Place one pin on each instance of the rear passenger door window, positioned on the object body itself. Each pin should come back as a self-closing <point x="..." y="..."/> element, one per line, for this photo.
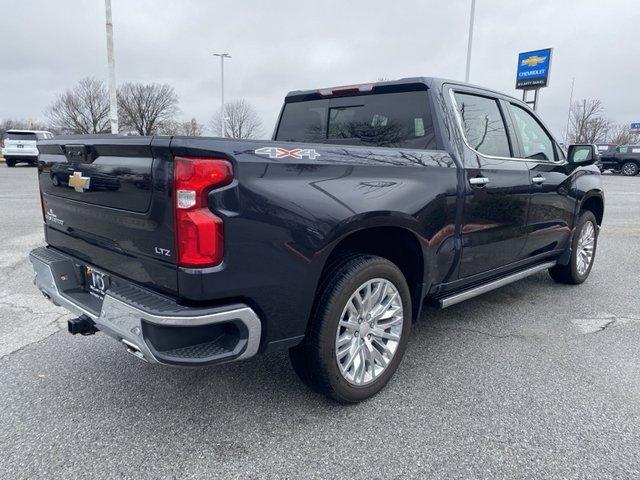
<point x="483" y="124"/>
<point x="537" y="144"/>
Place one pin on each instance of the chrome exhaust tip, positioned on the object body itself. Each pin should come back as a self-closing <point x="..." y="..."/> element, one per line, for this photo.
<point x="133" y="349"/>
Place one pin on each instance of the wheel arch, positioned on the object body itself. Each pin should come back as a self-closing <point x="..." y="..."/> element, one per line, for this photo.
<point x="397" y="243"/>
<point x="594" y="202"/>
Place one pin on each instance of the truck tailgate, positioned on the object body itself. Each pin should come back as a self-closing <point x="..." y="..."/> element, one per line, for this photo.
<point x="106" y="200"/>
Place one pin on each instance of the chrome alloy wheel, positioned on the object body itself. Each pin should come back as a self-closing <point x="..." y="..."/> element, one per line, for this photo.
<point x="586" y="247"/>
<point x="369" y="331"/>
<point x="629" y="169"/>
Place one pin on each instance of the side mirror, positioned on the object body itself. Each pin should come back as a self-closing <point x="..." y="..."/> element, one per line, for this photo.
<point x="583" y="154"/>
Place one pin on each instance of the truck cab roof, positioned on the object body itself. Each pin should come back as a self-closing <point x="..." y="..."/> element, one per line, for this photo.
<point x="402" y="84"/>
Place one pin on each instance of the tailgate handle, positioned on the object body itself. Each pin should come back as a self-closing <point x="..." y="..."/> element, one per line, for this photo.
<point x="76" y="153"/>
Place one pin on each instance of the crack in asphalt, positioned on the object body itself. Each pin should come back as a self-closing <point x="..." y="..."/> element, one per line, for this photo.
<point x="54" y="322"/>
<point x="606" y="325"/>
<point x="481" y="332"/>
<point x="20" y="304"/>
<point x="26" y="308"/>
<point x="602" y="322"/>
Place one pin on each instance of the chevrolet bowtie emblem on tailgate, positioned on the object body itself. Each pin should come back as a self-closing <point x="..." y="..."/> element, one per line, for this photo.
<point x="78" y="182"/>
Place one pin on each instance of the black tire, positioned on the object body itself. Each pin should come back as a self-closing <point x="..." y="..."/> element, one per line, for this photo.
<point x="569" y="273"/>
<point x="629" y="169"/>
<point x="315" y="359"/>
<point x="10" y="162"/>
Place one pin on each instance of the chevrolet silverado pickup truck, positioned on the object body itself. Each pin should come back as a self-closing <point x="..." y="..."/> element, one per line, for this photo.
<point x="369" y="201"/>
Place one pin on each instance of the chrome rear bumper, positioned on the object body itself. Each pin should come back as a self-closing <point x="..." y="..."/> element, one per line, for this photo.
<point x="152" y="327"/>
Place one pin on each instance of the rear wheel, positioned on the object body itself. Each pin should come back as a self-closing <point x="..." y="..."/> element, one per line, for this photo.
<point x="10" y="162"/>
<point x="359" y="330"/>
<point x="629" y="169"/>
<point x="583" y="252"/>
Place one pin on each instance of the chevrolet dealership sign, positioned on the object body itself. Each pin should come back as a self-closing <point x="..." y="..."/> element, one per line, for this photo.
<point x="533" y="69"/>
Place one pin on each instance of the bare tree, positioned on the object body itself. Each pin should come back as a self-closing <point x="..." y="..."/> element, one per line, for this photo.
<point x="587" y="123"/>
<point x="620" y="134"/>
<point x="240" y="120"/>
<point x="191" y="128"/>
<point x="81" y="109"/>
<point x="29" y="124"/>
<point x="146" y="108"/>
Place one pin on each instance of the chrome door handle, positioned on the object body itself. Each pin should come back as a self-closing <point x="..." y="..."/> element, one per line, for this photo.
<point x="538" y="179"/>
<point x="478" y="181"/>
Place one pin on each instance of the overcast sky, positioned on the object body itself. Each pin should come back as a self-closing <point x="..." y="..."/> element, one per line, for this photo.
<point x="278" y="46"/>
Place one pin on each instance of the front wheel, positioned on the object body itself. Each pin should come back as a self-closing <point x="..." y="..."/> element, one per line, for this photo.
<point x="359" y="330"/>
<point x="629" y="169"/>
<point x="583" y="252"/>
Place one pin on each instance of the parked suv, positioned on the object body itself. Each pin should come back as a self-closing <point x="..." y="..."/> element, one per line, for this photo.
<point x="623" y="159"/>
<point x="325" y="240"/>
<point x="21" y="146"/>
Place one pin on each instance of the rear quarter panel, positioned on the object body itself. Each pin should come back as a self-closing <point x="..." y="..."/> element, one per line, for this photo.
<point x="283" y="217"/>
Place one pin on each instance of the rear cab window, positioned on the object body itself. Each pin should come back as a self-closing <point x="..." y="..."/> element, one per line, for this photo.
<point x="483" y="125"/>
<point x="399" y="119"/>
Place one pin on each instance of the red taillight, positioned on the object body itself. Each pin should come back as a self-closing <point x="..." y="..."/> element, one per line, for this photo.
<point x="199" y="233"/>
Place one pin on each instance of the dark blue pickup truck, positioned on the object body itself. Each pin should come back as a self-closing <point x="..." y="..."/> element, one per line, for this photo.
<point x="326" y="240"/>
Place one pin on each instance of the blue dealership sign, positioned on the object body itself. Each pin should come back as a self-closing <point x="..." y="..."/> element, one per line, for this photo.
<point x="533" y="69"/>
<point x="635" y="127"/>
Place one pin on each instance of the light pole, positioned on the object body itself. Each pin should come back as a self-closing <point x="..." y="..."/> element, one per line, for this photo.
<point x="222" y="57"/>
<point x="113" y="98"/>
<point x="566" y="132"/>
<point x="469" y="45"/>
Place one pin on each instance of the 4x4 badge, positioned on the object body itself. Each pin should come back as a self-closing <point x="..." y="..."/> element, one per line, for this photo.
<point x="78" y="182"/>
<point x="279" y="152"/>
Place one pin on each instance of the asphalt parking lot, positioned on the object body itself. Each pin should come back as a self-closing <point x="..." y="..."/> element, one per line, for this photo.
<point x="535" y="380"/>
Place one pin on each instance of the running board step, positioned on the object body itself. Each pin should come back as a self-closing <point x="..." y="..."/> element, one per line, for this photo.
<point x="487" y="287"/>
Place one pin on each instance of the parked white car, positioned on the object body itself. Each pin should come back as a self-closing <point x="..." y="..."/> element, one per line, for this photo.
<point x="21" y="145"/>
